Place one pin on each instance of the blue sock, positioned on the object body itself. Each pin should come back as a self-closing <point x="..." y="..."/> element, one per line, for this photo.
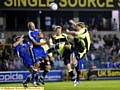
<point x="34" y="74"/>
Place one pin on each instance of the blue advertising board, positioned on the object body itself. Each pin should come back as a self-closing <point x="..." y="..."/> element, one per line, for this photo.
<point x="19" y="76"/>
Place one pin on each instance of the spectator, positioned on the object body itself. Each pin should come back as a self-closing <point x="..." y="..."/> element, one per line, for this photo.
<point x="56" y="64"/>
<point x="94" y="38"/>
<point x="66" y="26"/>
<point x="114" y="25"/>
<point x="93" y="55"/>
<point x="110" y="64"/>
<point x="118" y="63"/>
<point x="53" y="25"/>
<point x="100" y="26"/>
<point x="109" y="41"/>
<point x="107" y="49"/>
<point x="95" y="29"/>
<point x="91" y="74"/>
<point x="108" y="56"/>
<point x="105" y="38"/>
<point x="61" y="24"/>
<point x="115" y="39"/>
<point x="96" y="45"/>
<point x="103" y="58"/>
<point x="101" y="42"/>
<point x="93" y="66"/>
<point x="114" y="51"/>
<point x="17" y="63"/>
<point x="61" y="64"/>
<point x="5" y="65"/>
<point x="5" y="54"/>
<point x="11" y="66"/>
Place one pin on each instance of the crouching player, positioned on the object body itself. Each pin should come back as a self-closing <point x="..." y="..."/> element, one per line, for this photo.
<point x="22" y="50"/>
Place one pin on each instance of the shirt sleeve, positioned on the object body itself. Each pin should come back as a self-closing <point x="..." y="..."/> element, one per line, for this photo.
<point x="31" y="36"/>
<point x="17" y="50"/>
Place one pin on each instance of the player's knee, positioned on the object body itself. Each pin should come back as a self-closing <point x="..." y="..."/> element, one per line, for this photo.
<point x="47" y="59"/>
<point x="37" y="65"/>
<point x="75" y="62"/>
<point x="68" y="66"/>
<point x="70" y="37"/>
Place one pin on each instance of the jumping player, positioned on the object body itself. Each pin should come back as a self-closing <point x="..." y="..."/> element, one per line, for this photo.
<point x="82" y="45"/>
<point x="36" y="50"/>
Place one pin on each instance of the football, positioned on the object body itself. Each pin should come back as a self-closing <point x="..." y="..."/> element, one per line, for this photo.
<point x="54" y="6"/>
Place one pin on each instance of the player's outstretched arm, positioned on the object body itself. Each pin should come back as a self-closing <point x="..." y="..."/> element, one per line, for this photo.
<point x="17" y="42"/>
<point x="71" y="32"/>
<point x="39" y="43"/>
<point x="72" y="22"/>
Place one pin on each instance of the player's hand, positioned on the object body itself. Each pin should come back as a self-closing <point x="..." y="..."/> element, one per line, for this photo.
<point x="71" y="21"/>
<point x="21" y="38"/>
<point x="67" y="30"/>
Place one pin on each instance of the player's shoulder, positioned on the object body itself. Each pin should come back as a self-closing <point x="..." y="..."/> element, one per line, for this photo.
<point x="42" y="40"/>
<point x="64" y="34"/>
<point x="36" y="30"/>
<point x="54" y="35"/>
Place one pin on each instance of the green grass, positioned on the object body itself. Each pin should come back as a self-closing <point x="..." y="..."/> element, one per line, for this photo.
<point x="85" y="85"/>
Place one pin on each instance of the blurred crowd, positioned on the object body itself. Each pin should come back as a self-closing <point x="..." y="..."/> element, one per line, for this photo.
<point x="104" y="53"/>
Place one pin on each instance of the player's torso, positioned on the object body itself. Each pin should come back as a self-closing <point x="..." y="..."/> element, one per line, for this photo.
<point x="61" y="44"/>
<point x="45" y="46"/>
<point x="24" y="51"/>
<point x="36" y="36"/>
<point x="84" y="37"/>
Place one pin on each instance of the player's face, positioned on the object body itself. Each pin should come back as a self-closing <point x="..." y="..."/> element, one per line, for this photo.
<point x="32" y="26"/>
<point x="78" y="28"/>
<point x="41" y="34"/>
<point x="58" y="31"/>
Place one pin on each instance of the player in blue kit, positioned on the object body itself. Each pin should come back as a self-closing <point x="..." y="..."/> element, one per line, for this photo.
<point x="22" y="50"/>
<point x="37" y="51"/>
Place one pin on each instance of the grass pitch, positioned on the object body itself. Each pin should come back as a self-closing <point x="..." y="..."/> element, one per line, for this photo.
<point x="85" y="85"/>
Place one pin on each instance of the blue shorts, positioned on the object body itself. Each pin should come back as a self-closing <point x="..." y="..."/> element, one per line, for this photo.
<point x="37" y="53"/>
<point x="80" y="64"/>
<point x="28" y="62"/>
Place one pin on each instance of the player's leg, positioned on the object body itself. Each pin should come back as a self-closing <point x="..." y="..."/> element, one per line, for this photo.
<point x="70" y="38"/>
<point x="66" y="59"/>
<point x="80" y="68"/>
<point x="74" y="62"/>
<point x="28" y="79"/>
<point x="46" y="71"/>
<point x="29" y="65"/>
<point x="47" y="67"/>
<point x="35" y="58"/>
